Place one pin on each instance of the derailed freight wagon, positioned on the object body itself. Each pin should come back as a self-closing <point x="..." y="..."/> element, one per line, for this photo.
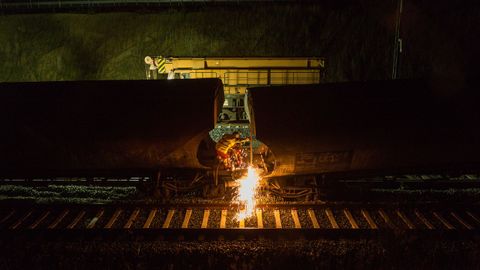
<point x="365" y="128"/>
<point x="101" y="128"/>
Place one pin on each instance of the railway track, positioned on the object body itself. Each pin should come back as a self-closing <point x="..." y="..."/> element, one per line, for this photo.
<point x="440" y="182"/>
<point x="214" y="221"/>
<point x="77" y="181"/>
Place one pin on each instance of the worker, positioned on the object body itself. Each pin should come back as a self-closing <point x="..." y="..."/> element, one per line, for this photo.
<point x="226" y="145"/>
<point x="152" y="69"/>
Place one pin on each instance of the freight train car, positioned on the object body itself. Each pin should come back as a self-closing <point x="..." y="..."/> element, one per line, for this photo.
<point x="102" y="128"/>
<point x="365" y="128"/>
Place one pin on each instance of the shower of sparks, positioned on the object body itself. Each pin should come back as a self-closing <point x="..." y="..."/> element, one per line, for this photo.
<point x="246" y="193"/>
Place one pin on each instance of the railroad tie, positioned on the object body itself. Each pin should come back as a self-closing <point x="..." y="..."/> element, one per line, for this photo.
<point x="166" y="224"/>
<point x="259" y="218"/>
<point x="39" y="220"/>
<point x="278" y="221"/>
<point x="331" y="218"/>
<point x="313" y="218"/>
<point x="76" y="220"/>
<point x="114" y="218"/>
<point x="132" y="219"/>
<point x="206" y="214"/>
<point x="186" y="220"/>
<point x="296" y="220"/>
<point x="21" y="220"/>
<point x="424" y="220"/>
<point x="223" y="219"/>
<point x="369" y="219"/>
<point x="58" y="219"/>
<point x="461" y="221"/>
<point x="95" y="219"/>
<point x="474" y="217"/>
<point x="387" y="219"/>
<point x="7" y="217"/>
<point x="443" y="221"/>
<point x="405" y="220"/>
<point x="150" y="218"/>
<point x="350" y="218"/>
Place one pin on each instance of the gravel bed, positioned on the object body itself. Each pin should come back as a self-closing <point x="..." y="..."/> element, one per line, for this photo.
<point x="268" y="219"/>
<point x="378" y="219"/>
<point x="122" y="219"/>
<point x="251" y="222"/>
<point x="469" y="219"/>
<point x="304" y="218"/>
<point x="29" y="220"/>
<point x="322" y="219"/>
<point x="434" y="220"/>
<point x="86" y="219"/>
<point x="287" y="219"/>
<point x="341" y="219"/>
<point x="419" y="221"/>
<point x="4" y="212"/>
<point x="178" y="217"/>
<point x="103" y="220"/>
<point x="12" y="219"/>
<point x="410" y="214"/>
<point x="196" y="218"/>
<point x="67" y="194"/>
<point x="450" y="219"/>
<point x="141" y="219"/>
<point x="49" y="219"/>
<point x="107" y="215"/>
<point x="395" y="219"/>
<point x="36" y="213"/>
<point x="231" y="222"/>
<point x="214" y="220"/>
<point x="72" y="214"/>
<point x="463" y="215"/>
<point x="159" y="219"/>
<point x="359" y="218"/>
<point x="395" y="253"/>
<point x="477" y="215"/>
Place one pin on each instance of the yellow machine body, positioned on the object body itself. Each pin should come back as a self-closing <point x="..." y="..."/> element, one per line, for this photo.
<point x="238" y="73"/>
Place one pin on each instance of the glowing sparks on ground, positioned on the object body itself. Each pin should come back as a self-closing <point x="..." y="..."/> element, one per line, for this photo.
<point x="247" y="192"/>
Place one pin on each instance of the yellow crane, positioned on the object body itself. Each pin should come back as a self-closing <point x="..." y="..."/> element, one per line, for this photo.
<point x="237" y="74"/>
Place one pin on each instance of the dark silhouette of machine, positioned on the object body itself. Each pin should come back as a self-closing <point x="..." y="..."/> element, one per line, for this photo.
<point x="302" y="133"/>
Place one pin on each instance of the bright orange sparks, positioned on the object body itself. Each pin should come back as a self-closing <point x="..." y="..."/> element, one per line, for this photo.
<point x="247" y="192"/>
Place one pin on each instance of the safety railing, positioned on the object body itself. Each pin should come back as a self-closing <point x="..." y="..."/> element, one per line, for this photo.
<point x="266" y="77"/>
<point x="200" y="75"/>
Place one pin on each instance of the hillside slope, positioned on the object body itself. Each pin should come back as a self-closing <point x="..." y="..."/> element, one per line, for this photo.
<point x="356" y="39"/>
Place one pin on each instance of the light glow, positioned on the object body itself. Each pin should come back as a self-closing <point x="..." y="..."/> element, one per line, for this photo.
<point x="247" y="191"/>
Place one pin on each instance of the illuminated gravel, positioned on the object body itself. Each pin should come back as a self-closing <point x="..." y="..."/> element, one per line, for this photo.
<point x="396" y="253"/>
<point x="341" y="219"/>
<point x="304" y="218"/>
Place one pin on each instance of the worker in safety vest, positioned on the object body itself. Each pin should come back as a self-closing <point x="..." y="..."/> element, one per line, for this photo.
<point x="153" y="67"/>
<point x="225" y="146"/>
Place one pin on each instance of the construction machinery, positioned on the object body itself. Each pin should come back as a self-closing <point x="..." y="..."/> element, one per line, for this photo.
<point x="237" y="74"/>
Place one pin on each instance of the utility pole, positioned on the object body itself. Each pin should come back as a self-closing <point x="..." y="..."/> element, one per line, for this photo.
<point x="398" y="45"/>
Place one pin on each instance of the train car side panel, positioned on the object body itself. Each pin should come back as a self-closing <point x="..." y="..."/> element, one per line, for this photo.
<point x="105" y="125"/>
<point x="366" y="126"/>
